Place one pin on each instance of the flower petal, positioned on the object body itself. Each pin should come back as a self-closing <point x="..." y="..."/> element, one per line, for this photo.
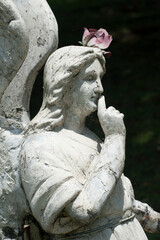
<point x="86" y="32"/>
<point x="106" y="42"/>
<point x="92" y="42"/>
<point x="106" y="54"/>
<point x="93" y="30"/>
<point x="101" y="31"/>
<point x="87" y="36"/>
<point x="100" y="39"/>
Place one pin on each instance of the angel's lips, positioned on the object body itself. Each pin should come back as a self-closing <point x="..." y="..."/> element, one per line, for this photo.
<point x="95" y="99"/>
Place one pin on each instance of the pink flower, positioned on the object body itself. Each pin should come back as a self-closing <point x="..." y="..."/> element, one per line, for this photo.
<point x="96" y="38"/>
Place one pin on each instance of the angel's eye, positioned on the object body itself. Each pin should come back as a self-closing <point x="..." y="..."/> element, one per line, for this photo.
<point x="90" y="78"/>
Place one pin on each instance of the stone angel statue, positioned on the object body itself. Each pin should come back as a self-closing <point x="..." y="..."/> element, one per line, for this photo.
<point x="53" y="169"/>
<point x="74" y="182"/>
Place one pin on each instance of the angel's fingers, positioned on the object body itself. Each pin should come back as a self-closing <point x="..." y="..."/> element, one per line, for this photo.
<point x="101" y="105"/>
<point x="122" y="115"/>
<point x="118" y="114"/>
<point x="111" y="109"/>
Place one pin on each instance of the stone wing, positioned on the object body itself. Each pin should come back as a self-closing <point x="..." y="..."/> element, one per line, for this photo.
<point x="13" y="42"/>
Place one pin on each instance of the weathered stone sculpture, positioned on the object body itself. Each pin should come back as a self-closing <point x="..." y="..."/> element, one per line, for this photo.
<point x="28" y="35"/>
<point x="53" y="169"/>
<point x="73" y="182"/>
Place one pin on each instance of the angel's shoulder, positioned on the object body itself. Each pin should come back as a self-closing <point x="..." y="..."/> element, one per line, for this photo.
<point x="42" y="142"/>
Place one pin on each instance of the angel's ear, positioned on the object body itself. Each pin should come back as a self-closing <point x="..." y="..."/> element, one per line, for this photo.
<point x="13" y="42"/>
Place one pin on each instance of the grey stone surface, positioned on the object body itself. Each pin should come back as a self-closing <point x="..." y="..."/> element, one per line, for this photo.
<point x="28" y="35"/>
<point x="37" y="29"/>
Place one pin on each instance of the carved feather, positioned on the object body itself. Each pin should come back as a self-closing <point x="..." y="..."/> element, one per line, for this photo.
<point x="42" y="31"/>
<point x="13" y="42"/>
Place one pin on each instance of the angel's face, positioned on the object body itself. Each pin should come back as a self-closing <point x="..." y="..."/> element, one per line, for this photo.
<point x="87" y="88"/>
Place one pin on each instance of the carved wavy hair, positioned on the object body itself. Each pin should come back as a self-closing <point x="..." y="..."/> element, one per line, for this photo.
<point x="60" y="73"/>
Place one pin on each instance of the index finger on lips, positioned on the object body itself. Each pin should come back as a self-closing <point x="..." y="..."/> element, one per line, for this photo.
<point x="101" y="105"/>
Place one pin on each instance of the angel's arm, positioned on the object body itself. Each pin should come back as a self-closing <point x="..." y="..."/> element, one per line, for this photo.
<point x="149" y="219"/>
<point x="106" y="169"/>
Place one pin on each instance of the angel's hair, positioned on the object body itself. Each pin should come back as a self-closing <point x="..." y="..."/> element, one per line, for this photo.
<point x="60" y="72"/>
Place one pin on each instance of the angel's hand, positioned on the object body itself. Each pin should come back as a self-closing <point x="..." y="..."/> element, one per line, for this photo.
<point x="111" y="120"/>
<point x="149" y="219"/>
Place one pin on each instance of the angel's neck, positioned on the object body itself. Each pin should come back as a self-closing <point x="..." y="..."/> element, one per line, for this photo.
<point x="75" y="122"/>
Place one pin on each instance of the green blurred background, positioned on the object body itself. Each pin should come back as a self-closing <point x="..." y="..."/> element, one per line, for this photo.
<point x="132" y="81"/>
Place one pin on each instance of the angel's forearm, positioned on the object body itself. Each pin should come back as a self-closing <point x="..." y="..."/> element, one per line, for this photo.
<point x="103" y="176"/>
<point x="149" y="219"/>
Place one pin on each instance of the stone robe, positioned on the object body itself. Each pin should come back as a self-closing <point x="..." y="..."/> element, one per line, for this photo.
<point x="54" y="168"/>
